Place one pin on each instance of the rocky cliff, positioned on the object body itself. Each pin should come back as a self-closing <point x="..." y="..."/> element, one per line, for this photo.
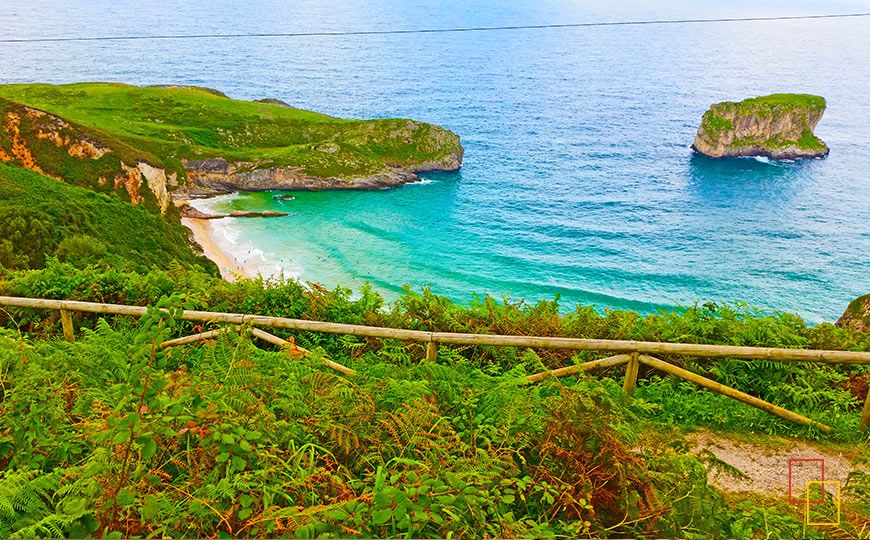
<point x="779" y="126"/>
<point x="47" y="144"/>
<point x="857" y="315"/>
<point x="219" y="174"/>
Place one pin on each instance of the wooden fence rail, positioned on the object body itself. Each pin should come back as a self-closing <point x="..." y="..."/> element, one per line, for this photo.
<point x="633" y="353"/>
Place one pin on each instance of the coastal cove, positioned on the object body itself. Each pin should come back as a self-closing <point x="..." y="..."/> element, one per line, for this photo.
<point x="379" y="269"/>
<point x="578" y="179"/>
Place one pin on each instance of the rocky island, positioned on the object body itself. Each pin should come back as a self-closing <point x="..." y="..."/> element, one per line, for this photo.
<point x="778" y="126"/>
<point x="150" y="145"/>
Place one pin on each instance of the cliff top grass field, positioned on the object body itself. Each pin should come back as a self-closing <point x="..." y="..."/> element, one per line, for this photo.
<point x="167" y="124"/>
<point x="807" y="101"/>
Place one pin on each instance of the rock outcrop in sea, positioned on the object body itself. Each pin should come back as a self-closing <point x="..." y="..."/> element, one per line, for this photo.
<point x="857" y="315"/>
<point x="187" y="211"/>
<point x="778" y="126"/>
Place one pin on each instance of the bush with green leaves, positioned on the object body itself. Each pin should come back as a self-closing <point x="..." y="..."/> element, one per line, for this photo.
<point x="41" y="217"/>
<point x="115" y="436"/>
<point x="831" y="394"/>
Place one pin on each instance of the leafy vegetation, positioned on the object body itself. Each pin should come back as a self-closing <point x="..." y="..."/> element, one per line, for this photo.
<point x="113" y="436"/>
<point x="715" y="125"/>
<point x="831" y="394"/>
<point x="41" y="216"/>
<point x="809" y="141"/>
<point x="167" y="125"/>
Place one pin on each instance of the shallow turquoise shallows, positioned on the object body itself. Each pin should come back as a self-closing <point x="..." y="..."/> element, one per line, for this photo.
<point x="578" y="179"/>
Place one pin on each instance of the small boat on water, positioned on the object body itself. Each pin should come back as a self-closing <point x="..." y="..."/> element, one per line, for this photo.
<point x="284" y="197"/>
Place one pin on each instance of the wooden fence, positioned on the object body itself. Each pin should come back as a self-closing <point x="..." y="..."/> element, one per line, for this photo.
<point x="631" y="353"/>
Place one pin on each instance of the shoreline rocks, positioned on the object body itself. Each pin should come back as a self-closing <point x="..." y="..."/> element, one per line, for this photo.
<point x="221" y="176"/>
<point x="778" y="126"/>
<point x="187" y="211"/>
<point x="267" y="213"/>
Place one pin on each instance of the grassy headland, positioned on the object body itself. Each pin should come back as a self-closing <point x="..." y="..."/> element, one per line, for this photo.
<point x="172" y="125"/>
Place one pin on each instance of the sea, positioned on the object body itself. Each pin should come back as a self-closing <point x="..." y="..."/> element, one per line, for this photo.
<point x="578" y="180"/>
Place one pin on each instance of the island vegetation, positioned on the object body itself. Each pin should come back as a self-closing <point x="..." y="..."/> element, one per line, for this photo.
<point x="113" y="436"/>
<point x="778" y="126"/>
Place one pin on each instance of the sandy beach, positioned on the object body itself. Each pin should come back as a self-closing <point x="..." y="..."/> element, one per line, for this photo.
<point x="231" y="270"/>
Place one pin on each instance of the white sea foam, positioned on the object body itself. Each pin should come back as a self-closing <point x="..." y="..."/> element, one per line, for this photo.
<point x="254" y="260"/>
<point x="224" y="230"/>
<point x="214" y="205"/>
<point x="271" y="266"/>
<point x="228" y="235"/>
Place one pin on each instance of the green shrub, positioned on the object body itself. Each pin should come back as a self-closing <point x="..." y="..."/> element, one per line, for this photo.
<point x="112" y="436"/>
<point x="80" y="250"/>
<point x="41" y="216"/>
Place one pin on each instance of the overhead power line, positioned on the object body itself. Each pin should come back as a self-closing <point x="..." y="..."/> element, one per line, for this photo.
<point x="430" y="30"/>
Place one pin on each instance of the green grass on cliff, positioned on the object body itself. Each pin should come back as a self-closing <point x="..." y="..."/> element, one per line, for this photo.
<point x="770" y="104"/>
<point x="56" y="161"/>
<point x="717" y="119"/>
<point x="808" y="141"/>
<point x="195" y="123"/>
<point x="808" y="101"/>
<point x="856" y="309"/>
<point x="714" y="125"/>
<point x="42" y="217"/>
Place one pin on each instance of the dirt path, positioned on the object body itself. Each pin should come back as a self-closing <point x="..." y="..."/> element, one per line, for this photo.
<point x="766" y="467"/>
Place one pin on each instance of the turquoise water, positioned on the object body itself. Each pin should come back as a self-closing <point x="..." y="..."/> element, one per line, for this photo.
<point x="578" y="179"/>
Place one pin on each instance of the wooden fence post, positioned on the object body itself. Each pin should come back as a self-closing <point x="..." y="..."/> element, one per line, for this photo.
<point x="865" y="416"/>
<point x="731" y="392"/>
<point x="67" y="323"/>
<point x="431" y="351"/>
<point x="631" y="370"/>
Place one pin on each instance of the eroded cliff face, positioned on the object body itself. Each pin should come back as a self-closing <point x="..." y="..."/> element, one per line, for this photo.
<point x="857" y="315"/>
<point x="219" y="174"/>
<point x="49" y="145"/>
<point x="780" y="126"/>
